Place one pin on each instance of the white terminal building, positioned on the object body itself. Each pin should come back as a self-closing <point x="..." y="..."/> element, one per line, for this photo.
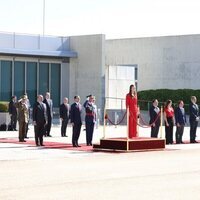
<point x="90" y="64"/>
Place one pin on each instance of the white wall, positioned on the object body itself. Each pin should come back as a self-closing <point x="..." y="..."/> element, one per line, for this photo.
<point x="171" y="62"/>
<point x="87" y="71"/>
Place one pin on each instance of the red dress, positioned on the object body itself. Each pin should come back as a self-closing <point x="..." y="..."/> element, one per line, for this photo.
<point x="131" y="102"/>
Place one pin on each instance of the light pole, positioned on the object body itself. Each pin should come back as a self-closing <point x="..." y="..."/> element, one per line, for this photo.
<point x="43" y="17"/>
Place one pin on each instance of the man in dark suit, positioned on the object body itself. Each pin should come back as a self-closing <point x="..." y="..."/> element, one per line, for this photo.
<point x="194" y="118"/>
<point x="64" y="116"/>
<point x="13" y="113"/>
<point x="90" y="118"/>
<point x="75" y="115"/>
<point x="49" y="106"/>
<point x="180" y="118"/>
<point x="39" y="119"/>
<point x="154" y="113"/>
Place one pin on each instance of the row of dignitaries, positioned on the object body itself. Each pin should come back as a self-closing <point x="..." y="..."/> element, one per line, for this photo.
<point x="73" y="113"/>
<point x="173" y="117"/>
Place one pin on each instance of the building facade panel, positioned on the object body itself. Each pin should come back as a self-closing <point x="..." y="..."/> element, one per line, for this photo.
<point x="87" y="71"/>
<point x="163" y="62"/>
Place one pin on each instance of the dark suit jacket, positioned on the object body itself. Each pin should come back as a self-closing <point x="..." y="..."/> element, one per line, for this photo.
<point x="153" y="116"/>
<point x="64" y="111"/>
<point x="12" y="108"/>
<point x="179" y="116"/>
<point x="49" y="108"/>
<point x="39" y="113"/>
<point x="194" y="112"/>
<point x="75" y="114"/>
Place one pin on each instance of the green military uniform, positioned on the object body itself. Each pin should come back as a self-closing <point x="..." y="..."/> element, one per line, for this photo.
<point x="23" y="117"/>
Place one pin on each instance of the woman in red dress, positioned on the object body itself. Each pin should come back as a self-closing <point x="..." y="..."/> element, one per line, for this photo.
<point x="131" y="103"/>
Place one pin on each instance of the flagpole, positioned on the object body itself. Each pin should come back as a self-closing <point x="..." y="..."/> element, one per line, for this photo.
<point x="43" y="17"/>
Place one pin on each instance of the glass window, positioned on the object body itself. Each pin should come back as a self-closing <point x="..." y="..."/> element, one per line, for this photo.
<point x="55" y="84"/>
<point x="31" y="82"/>
<point x="112" y="72"/>
<point x="6" y="80"/>
<point x="19" y="78"/>
<point x="43" y="78"/>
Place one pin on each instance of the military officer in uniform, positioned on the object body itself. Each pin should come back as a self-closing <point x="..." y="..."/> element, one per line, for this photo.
<point x="23" y="117"/>
<point x="90" y="118"/>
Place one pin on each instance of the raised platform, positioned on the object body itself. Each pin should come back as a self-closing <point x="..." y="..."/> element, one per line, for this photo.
<point x="134" y="144"/>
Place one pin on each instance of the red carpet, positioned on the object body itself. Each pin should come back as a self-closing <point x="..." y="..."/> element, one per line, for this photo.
<point x="68" y="146"/>
<point x="49" y="145"/>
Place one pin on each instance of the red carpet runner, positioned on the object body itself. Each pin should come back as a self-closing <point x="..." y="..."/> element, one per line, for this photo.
<point x="48" y="145"/>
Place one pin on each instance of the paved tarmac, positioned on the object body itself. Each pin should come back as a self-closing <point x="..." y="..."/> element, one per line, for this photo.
<point x="30" y="173"/>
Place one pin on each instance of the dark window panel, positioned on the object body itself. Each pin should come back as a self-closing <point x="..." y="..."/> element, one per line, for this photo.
<point x="31" y="82"/>
<point x="55" y="84"/>
<point x="6" y="80"/>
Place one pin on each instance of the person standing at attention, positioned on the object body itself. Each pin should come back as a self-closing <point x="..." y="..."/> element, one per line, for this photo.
<point x="154" y="113"/>
<point x="39" y="120"/>
<point x="29" y="110"/>
<point x="49" y="105"/>
<point x="131" y="103"/>
<point x="64" y="116"/>
<point x="90" y="118"/>
<point x="13" y="113"/>
<point x="169" y="122"/>
<point x="75" y="116"/>
<point x="180" y="118"/>
<point x="23" y="117"/>
<point x="194" y="119"/>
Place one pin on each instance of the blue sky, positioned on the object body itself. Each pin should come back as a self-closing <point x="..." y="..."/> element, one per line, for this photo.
<point x="115" y="18"/>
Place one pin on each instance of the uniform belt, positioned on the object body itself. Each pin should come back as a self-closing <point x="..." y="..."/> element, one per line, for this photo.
<point x="89" y="114"/>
